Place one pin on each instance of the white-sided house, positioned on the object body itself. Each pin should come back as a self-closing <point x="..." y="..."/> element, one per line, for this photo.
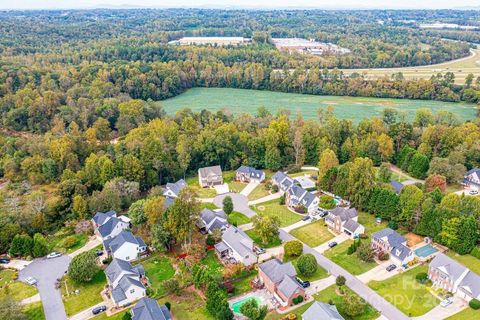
<point x="390" y="241"/>
<point x="125" y="282"/>
<point x="211" y="220"/>
<point x="173" y="189"/>
<point x="297" y="196"/>
<point x="472" y="179"/>
<point x="248" y="174"/>
<point x="283" y="181"/>
<point x="125" y="246"/>
<point x="210" y="176"/>
<point x="236" y="245"/>
<point x="108" y="225"/>
<point x="340" y="217"/>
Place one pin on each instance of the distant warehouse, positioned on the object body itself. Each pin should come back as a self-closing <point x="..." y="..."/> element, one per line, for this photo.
<point x="307" y="46"/>
<point x="219" y="41"/>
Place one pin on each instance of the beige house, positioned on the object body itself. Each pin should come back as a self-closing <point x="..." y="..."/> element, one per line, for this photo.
<point x="210" y="176"/>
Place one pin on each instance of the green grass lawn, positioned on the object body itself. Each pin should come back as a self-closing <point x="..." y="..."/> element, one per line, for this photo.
<point x="400" y="177"/>
<point x="259" y="192"/>
<point x="236" y="186"/>
<point x="208" y="205"/>
<point x="467" y="260"/>
<point x="34" y="311"/>
<point x="313" y="234"/>
<point x="273" y="208"/>
<point x="237" y="218"/>
<point x="89" y="293"/>
<point x="319" y="274"/>
<point x="304" y="172"/>
<point x="369" y="222"/>
<point x="158" y="269"/>
<point x="16" y="289"/>
<point x="403" y="291"/>
<point x="117" y="316"/>
<point x="467" y="314"/>
<point x="55" y="242"/>
<point x="212" y="262"/>
<point x="351" y="263"/>
<point x="243" y="285"/>
<point x="192" y="182"/>
<point x="273" y="315"/>
<point x="188" y="305"/>
<point x="256" y="238"/>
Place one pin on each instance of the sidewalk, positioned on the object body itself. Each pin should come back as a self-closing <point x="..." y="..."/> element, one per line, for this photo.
<point x="265" y="199"/>
<point x="31" y="299"/>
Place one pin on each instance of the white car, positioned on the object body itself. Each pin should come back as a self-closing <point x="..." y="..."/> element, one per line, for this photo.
<point x="473" y="192"/>
<point x="31" y="281"/>
<point x="446" y="302"/>
<point x="53" y="255"/>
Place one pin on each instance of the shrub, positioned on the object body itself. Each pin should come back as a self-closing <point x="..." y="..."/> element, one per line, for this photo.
<point x="282" y="199"/>
<point x="365" y="252"/>
<point x="300" y="208"/>
<point x="127" y="316"/>
<point x="307" y="264"/>
<point x="69" y="242"/>
<point x="383" y="256"/>
<point x="474" y="304"/>
<point x="172" y="286"/>
<point x="290" y="316"/>
<point x="297" y="300"/>
<point x="392" y="224"/>
<point x="421" y="277"/>
<point x="351" y="250"/>
<point x="83" y="267"/>
<point x="227" y="205"/>
<point x="340" y="281"/>
<point x="476" y="252"/>
<point x="274" y="188"/>
<point x="326" y="202"/>
<point x="293" y="248"/>
<point x="210" y="240"/>
<point x="168" y="305"/>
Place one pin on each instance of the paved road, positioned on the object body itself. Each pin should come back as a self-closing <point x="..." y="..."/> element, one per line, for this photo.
<point x="240" y="203"/>
<point x="379" y="303"/>
<point x="47" y="271"/>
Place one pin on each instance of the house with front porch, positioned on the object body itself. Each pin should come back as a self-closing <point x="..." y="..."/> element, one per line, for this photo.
<point x="248" y="174"/>
<point x="210" y="176"/>
<point x="391" y="242"/>
<point x="280" y="280"/>
<point x="344" y="220"/>
<point x="125" y="283"/>
<point x="236" y="247"/>
<point x="472" y="179"/>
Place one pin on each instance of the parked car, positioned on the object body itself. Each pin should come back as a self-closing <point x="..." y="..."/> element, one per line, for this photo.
<point x="31" y="281"/>
<point x="306" y="218"/>
<point x="391" y="267"/>
<point x="304" y="284"/>
<point x="99" y="253"/>
<point x="473" y="192"/>
<point x="99" y="309"/>
<point x="332" y="244"/>
<point x="4" y="260"/>
<point x="446" y="302"/>
<point x="259" y="250"/>
<point x="53" y="254"/>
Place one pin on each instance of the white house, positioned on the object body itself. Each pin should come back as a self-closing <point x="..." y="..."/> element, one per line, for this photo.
<point x="125" y="282"/>
<point x="297" y="196"/>
<point x="211" y="220"/>
<point x="108" y="225"/>
<point x="391" y="242"/>
<point x="283" y="181"/>
<point x="173" y="189"/>
<point x="247" y="174"/>
<point x="472" y="179"/>
<point x="125" y="246"/>
<point x="236" y="245"/>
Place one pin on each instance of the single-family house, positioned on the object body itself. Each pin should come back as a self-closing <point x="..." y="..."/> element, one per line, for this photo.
<point x="108" y="225"/>
<point x="344" y="220"/>
<point x="283" y="181"/>
<point x="296" y="196"/>
<point x="472" y="179"/>
<point x="125" y="282"/>
<point x="397" y="186"/>
<point x="391" y="242"/>
<point x="125" y="246"/>
<point x="236" y="247"/>
<point x="173" y="189"/>
<point x="280" y="280"/>
<point x="211" y="220"/>
<point x="210" y="176"/>
<point x="469" y="288"/>
<point x="322" y="311"/>
<point x="149" y="309"/>
<point x="247" y="174"/>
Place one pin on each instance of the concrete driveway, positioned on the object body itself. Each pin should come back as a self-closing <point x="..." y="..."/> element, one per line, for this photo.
<point x="440" y="312"/>
<point x="17" y="264"/>
<point x="342" y="237"/>
<point x="379" y="273"/>
<point x="240" y="203"/>
<point x="47" y="271"/>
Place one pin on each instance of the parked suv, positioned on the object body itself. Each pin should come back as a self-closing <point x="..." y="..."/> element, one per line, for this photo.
<point x="391" y="267"/>
<point x="99" y="309"/>
<point x="304" y="284"/>
<point x="332" y="244"/>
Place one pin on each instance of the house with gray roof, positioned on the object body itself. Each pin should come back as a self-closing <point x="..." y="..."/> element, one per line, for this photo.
<point x="125" y="246"/>
<point x="390" y="241"/>
<point x="322" y="311"/>
<point x="125" y="282"/>
<point x="247" y="174"/>
<point x="108" y="225"/>
<point x="149" y="309"/>
<point x="236" y="247"/>
<point x="210" y="176"/>
<point x="472" y="179"/>
<point x="283" y="181"/>
<point x="173" y="189"/>
<point x="397" y="186"/>
<point x="296" y="197"/>
<point x="340" y="217"/>
<point x="280" y="280"/>
<point x="212" y="219"/>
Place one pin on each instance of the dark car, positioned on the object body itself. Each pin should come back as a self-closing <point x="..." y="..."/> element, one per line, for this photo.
<point x="304" y="284"/>
<point x="4" y="260"/>
<point x="332" y="244"/>
<point x="306" y="218"/>
<point x="99" y="253"/>
<point x="99" y="309"/>
<point x="391" y="267"/>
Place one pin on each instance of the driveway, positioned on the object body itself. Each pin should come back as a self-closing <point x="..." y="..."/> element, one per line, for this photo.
<point x="342" y="237"/>
<point x="296" y="225"/>
<point x="270" y="197"/>
<point x="92" y="243"/>
<point x="17" y="264"/>
<point x="319" y="285"/>
<point x="87" y="313"/>
<point x="47" y="271"/>
<point x="440" y="312"/>
<point x="249" y="188"/>
<point x="379" y="273"/>
<point x="373" y="298"/>
<point x="240" y="203"/>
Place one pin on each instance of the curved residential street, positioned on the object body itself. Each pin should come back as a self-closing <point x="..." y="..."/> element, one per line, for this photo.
<point x="240" y="203"/>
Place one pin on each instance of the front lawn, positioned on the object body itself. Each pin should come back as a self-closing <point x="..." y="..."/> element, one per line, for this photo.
<point x="14" y="288"/>
<point x="351" y="262"/>
<point x="319" y="274"/>
<point x="275" y="242"/>
<point x="467" y="260"/>
<point x="56" y="242"/>
<point x="273" y="208"/>
<point x="211" y="260"/>
<point x="88" y="295"/>
<point x="187" y="305"/>
<point x="408" y="295"/>
<point x="467" y="314"/>
<point x="34" y="311"/>
<point x="236" y="186"/>
<point x="313" y="234"/>
<point x="273" y="315"/>
<point x="158" y="269"/>
<point x="260" y="191"/>
<point x="192" y="182"/>
<point x="237" y="218"/>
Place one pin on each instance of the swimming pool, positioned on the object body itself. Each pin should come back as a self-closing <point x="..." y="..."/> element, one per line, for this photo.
<point x="237" y="304"/>
<point x="425" y="251"/>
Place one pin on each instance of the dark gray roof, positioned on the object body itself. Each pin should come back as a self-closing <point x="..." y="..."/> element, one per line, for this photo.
<point x="101" y="217"/>
<point x="168" y="202"/>
<point x="474" y="170"/>
<point x="126" y="282"/>
<point x="148" y="309"/>
<point x="321" y="311"/>
<point x="278" y="177"/>
<point x="400" y="252"/>
<point x="448" y="266"/>
<point x="289" y="286"/>
<point x="344" y="214"/>
<point x="296" y="191"/>
<point x="117" y="266"/>
<point x="107" y="228"/>
<point x="221" y="246"/>
<point x="276" y="270"/>
<point x="239" y="241"/>
<point x="177" y="186"/>
<point x="210" y="171"/>
<point x="351" y="225"/>
<point x="393" y="237"/>
<point x="252" y="172"/>
<point x="397" y="186"/>
<point x="307" y="199"/>
<point x="213" y="219"/>
<point x="118" y="295"/>
<point x="123" y="237"/>
<point x="471" y="284"/>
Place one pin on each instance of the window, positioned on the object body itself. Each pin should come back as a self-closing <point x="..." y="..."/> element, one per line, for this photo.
<point x="132" y="291"/>
<point x="127" y="258"/>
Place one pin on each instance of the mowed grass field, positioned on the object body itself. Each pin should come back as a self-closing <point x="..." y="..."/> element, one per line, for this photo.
<point x="353" y="108"/>
<point x="460" y="67"/>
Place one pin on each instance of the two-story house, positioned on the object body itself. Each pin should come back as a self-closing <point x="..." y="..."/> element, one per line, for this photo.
<point x="108" y="225"/>
<point x="296" y="196"/>
<point x="149" y="309"/>
<point x="212" y="219"/>
<point x="210" y="176"/>
<point x="344" y="220"/>
<point x="280" y="280"/>
<point x="173" y="189"/>
<point x="125" y="282"/>
<point x="237" y="247"/>
<point x="125" y="246"/>
<point x="472" y="179"/>
<point x="322" y="311"/>
<point x="283" y="181"/>
<point x="391" y="242"/>
<point x="248" y="174"/>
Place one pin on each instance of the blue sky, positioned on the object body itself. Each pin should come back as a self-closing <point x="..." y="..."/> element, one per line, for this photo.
<point x="49" y="4"/>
